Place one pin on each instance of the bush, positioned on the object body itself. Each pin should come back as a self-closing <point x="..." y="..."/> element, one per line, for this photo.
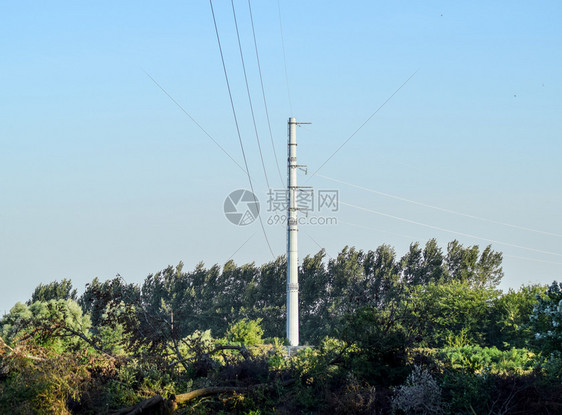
<point x="41" y="382"/>
<point x="376" y="347"/>
<point x="54" y="324"/>
<point x="477" y="359"/>
<point x="546" y="320"/>
<point x="419" y="395"/>
<point x="466" y="393"/>
<point x="245" y="331"/>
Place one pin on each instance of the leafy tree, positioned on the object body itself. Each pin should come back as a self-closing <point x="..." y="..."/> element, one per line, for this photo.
<point x="382" y="278"/>
<point x="345" y="275"/>
<point x="444" y="313"/>
<point x="469" y="266"/>
<point x="58" y="324"/>
<point x="315" y="298"/>
<point x="375" y="345"/>
<point x="99" y="295"/>
<point x="546" y="320"/>
<point x="422" y="267"/>
<point x="510" y="317"/>
<point x="376" y="307"/>
<point x="53" y="291"/>
<point x="247" y="332"/>
<point x="357" y="279"/>
<point x="264" y="297"/>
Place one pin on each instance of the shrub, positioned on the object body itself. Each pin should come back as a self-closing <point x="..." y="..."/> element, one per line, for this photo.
<point x="466" y="393"/>
<point x="41" y="382"/>
<point x="419" y="395"/>
<point x="245" y="331"/>
<point x="546" y="320"/>
<point x="477" y="359"/>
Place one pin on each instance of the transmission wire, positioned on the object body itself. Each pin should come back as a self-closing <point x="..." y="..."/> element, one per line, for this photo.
<point x="411" y="238"/>
<point x="362" y="125"/>
<point x="284" y="58"/>
<point x="241" y="246"/>
<point x="468" y="235"/>
<point x="193" y="119"/>
<point x="237" y="127"/>
<point x="453" y="212"/>
<point x="263" y="93"/>
<point x="249" y="95"/>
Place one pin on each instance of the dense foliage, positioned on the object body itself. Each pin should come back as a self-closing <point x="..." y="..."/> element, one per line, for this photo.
<point x="428" y="333"/>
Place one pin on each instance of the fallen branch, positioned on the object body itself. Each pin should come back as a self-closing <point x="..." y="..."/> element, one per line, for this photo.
<point x="168" y="406"/>
<point x="156" y="404"/>
<point x="4" y="345"/>
<point x="211" y="390"/>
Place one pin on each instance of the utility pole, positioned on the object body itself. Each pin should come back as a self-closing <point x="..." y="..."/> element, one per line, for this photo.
<point x="292" y="238"/>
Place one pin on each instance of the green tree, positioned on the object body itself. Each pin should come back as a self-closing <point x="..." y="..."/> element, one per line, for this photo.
<point x="422" y="267"/>
<point x="245" y="331"/>
<point x="99" y="296"/>
<point x="53" y="291"/>
<point x="315" y="298"/>
<point x="381" y="283"/>
<point x="264" y="297"/>
<point x="546" y="320"/>
<point x="450" y="312"/>
<point x="510" y="317"/>
<point x="375" y="345"/>
<point x="59" y="324"/>
<point x="467" y="265"/>
<point x="345" y="275"/>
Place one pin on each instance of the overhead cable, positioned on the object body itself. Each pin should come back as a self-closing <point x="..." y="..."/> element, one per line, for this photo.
<point x="362" y="125"/>
<point x="192" y="119"/>
<point x="237" y="127"/>
<point x="284" y="58"/>
<point x="450" y="231"/>
<point x="263" y="94"/>
<point x="453" y="212"/>
<point x="411" y="238"/>
<point x="248" y="91"/>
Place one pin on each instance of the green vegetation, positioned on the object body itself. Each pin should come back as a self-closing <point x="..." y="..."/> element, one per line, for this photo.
<point x="428" y="333"/>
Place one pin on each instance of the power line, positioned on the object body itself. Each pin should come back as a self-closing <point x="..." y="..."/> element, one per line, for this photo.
<point x="411" y="238"/>
<point x="192" y="119"/>
<point x="237" y="127"/>
<point x="284" y="58"/>
<point x="263" y="93"/>
<point x="453" y="212"/>
<point x="450" y="231"/>
<point x="531" y="259"/>
<point x="362" y="125"/>
<point x="248" y="91"/>
<point x="319" y="246"/>
<point x="241" y="246"/>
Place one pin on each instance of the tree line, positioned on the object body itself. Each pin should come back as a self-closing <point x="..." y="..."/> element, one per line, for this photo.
<point x="380" y="326"/>
<point x="211" y="298"/>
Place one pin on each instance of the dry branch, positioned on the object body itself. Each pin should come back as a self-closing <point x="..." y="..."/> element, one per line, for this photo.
<point x="155" y="405"/>
<point x="158" y="405"/>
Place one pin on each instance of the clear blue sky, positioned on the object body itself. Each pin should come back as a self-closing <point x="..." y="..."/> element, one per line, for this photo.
<point x="101" y="173"/>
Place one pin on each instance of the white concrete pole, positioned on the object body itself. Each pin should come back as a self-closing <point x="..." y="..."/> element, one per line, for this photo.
<point x="292" y="239"/>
